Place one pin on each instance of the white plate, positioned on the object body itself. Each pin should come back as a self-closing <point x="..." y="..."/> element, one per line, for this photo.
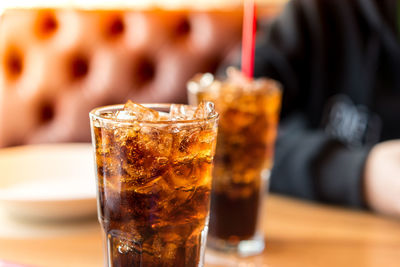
<point x="53" y="181"/>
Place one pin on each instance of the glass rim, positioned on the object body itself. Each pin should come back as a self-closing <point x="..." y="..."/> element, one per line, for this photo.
<point x="277" y="86"/>
<point x="96" y="113"/>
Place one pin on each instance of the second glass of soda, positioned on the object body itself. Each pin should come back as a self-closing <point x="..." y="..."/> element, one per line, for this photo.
<point x="249" y="114"/>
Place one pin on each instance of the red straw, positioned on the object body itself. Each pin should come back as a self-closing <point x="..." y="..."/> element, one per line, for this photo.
<point x="248" y="38"/>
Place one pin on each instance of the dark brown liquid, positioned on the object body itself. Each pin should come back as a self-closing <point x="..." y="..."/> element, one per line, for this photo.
<point x="246" y="136"/>
<point x="233" y="219"/>
<point x="170" y="244"/>
<point x="154" y="190"/>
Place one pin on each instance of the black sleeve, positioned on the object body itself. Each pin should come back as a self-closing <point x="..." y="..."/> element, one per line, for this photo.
<point x="308" y="163"/>
<point x="312" y="165"/>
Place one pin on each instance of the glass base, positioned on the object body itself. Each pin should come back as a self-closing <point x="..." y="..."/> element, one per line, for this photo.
<point x="243" y="248"/>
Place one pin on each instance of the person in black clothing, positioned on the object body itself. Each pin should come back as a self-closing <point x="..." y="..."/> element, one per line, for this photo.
<point x="339" y="64"/>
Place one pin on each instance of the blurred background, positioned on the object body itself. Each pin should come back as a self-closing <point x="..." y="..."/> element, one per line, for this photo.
<point x="60" y="59"/>
<point x="337" y="60"/>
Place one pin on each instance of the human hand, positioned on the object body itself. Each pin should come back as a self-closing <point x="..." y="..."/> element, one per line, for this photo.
<point x="382" y="178"/>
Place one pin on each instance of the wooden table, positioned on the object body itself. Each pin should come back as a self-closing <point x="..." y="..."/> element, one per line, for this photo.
<point x="297" y="234"/>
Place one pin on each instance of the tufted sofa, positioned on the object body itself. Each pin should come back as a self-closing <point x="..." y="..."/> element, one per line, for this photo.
<point x="57" y="64"/>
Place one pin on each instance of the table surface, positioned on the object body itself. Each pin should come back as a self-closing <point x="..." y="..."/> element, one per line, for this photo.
<point x="297" y="234"/>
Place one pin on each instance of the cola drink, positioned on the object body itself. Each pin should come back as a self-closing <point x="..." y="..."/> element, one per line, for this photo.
<point x="249" y="112"/>
<point x="154" y="171"/>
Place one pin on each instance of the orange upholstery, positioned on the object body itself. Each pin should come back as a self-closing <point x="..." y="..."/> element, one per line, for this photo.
<point x="58" y="64"/>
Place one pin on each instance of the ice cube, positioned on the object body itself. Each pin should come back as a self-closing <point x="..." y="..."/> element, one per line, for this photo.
<point x="140" y="112"/>
<point x="155" y="140"/>
<point x="201" y="81"/>
<point x="206" y="80"/>
<point x="204" y="110"/>
<point x="181" y="112"/>
<point x="235" y="76"/>
<point x="203" y="86"/>
<point x="126" y="242"/>
<point x="124" y="247"/>
<point x="124" y="115"/>
<point x="163" y="116"/>
<point x="169" y="251"/>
